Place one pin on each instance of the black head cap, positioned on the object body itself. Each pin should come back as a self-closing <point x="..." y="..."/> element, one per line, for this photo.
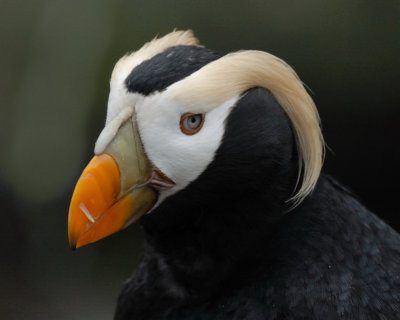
<point x="167" y="67"/>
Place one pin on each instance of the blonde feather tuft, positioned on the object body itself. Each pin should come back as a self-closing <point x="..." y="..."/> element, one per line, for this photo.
<point x="231" y="75"/>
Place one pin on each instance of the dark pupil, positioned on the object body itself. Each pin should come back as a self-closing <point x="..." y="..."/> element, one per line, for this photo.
<point x="193" y="122"/>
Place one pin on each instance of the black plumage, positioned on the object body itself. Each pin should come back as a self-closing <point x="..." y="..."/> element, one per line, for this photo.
<point x="167" y="67"/>
<point x="229" y="247"/>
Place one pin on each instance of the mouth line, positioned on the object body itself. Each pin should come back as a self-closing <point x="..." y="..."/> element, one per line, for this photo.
<point x="159" y="181"/>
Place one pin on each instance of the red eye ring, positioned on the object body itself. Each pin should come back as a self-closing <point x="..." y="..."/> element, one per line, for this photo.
<point x="191" y="123"/>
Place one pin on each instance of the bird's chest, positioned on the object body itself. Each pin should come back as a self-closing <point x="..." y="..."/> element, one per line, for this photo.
<point x="257" y="300"/>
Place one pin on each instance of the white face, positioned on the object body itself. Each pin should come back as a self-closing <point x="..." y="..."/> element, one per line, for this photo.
<point x="179" y="156"/>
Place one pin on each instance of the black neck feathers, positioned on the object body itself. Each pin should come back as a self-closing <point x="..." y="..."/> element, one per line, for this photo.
<point x="211" y="231"/>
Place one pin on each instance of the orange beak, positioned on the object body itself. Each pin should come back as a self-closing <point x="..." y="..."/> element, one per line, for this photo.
<point x="113" y="190"/>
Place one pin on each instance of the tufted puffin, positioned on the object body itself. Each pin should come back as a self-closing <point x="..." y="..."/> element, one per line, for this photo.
<point x="219" y="158"/>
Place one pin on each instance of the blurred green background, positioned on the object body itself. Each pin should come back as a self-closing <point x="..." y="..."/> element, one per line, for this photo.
<point x="55" y="61"/>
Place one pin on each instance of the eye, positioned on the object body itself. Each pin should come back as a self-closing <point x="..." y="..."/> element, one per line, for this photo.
<point x="191" y="123"/>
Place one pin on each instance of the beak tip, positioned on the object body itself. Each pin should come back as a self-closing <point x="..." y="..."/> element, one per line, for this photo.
<point x="72" y="246"/>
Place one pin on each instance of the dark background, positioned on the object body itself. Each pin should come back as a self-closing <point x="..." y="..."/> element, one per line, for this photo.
<point x="56" y="57"/>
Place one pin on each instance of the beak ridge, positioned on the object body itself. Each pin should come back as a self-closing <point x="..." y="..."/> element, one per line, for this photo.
<point x="113" y="190"/>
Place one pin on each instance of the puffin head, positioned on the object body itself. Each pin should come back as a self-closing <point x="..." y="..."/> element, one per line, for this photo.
<point x="188" y="129"/>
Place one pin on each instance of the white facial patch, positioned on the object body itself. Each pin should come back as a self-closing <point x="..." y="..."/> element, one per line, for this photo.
<point x="120" y="99"/>
<point x="180" y="157"/>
